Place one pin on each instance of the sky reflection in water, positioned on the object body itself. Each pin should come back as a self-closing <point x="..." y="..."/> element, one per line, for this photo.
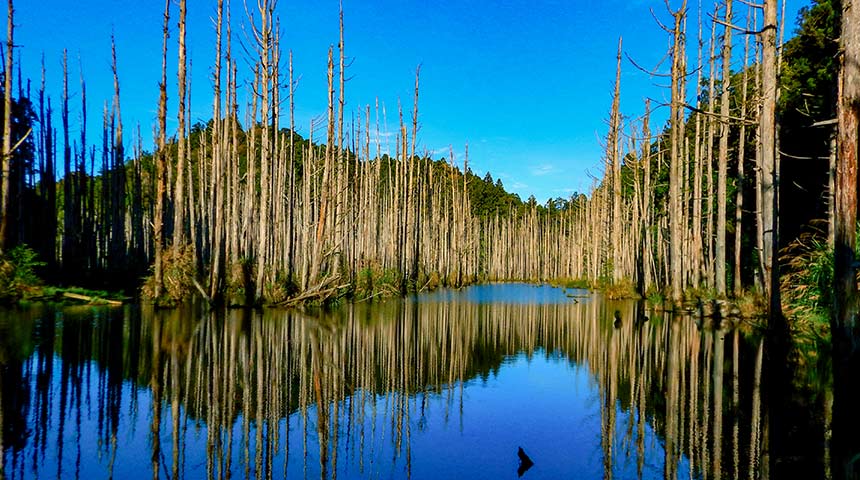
<point x="446" y="386"/>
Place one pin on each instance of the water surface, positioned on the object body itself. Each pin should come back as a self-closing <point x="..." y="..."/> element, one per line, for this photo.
<point x="442" y="385"/>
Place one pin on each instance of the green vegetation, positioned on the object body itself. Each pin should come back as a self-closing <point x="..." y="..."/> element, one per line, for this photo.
<point x="807" y="286"/>
<point x="179" y="277"/>
<point x="806" y="282"/>
<point x="581" y="283"/>
<point x="21" y="284"/>
<point x="18" y="279"/>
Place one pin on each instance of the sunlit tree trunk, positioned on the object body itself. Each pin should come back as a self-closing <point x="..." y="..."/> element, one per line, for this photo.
<point x="217" y="177"/>
<point x="264" y="37"/>
<point x="160" y="161"/>
<point x="291" y="235"/>
<point x="321" y="242"/>
<point x="340" y="167"/>
<point x="769" y="174"/>
<point x="179" y="190"/>
<point x="614" y="157"/>
<point x="676" y="120"/>
<point x="723" y="154"/>
<point x="739" y="183"/>
<point x="844" y="325"/>
<point x="5" y="193"/>
<point x="647" y="222"/>
<point x="416" y="211"/>
<point x="697" y="247"/>
<point x="848" y="117"/>
<point x="710" y="260"/>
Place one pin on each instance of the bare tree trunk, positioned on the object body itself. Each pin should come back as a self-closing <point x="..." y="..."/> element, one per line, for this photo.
<point x="848" y="117"/>
<point x="677" y="126"/>
<point x="739" y="185"/>
<point x="614" y="154"/>
<point x="760" y="271"/>
<point x="160" y="160"/>
<point x="47" y="176"/>
<point x="264" y="44"/>
<point x="86" y="232"/>
<point x="769" y="174"/>
<point x="710" y="259"/>
<point x="179" y="195"/>
<point x="291" y="238"/>
<point x="319" y="244"/>
<point x="233" y="119"/>
<point x="831" y="189"/>
<point x="7" y="132"/>
<point x="138" y="251"/>
<point x="844" y="324"/>
<point x="217" y="240"/>
<point x="697" y="243"/>
<point x="118" y="245"/>
<point x="69" y="235"/>
<point x="195" y="195"/>
<point x="416" y="219"/>
<point x="723" y="154"/>
<point x="646" y="198"/>
<point x="341" y="167"/>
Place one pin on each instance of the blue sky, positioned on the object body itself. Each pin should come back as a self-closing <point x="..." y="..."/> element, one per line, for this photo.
<point x="527" y="84"/>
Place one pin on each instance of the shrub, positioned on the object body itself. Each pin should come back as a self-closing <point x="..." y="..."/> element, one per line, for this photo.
<point x="18" y="273"/>
<point x="178" y="273"/>
<point x="807" y="277"/>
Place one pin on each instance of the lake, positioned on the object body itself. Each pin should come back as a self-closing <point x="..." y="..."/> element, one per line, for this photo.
<point x="449" y="384"/>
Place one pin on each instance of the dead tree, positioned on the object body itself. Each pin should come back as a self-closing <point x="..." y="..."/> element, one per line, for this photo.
<point x="179" y="191"/>
<point x="723" y="154"/>
<point x="160" y="160"/>
<point x="676" y="217"/>
<point x="769" y="174"/>
<point x="7" y="132"/>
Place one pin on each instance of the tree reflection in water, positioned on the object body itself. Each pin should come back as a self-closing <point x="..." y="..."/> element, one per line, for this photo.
<point x="377" y="390"/>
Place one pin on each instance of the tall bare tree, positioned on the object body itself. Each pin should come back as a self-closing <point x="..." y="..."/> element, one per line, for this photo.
<point x="218" y="167"/>
<point x="264" y="38"/>
<point x="161" y="160"/>
<point x="7" y="131"/>
<point x="613" y="148"/>
<point x="769" y="173"/>
<point x="739" y="184"/>
<point x="723" y="153"/>
<point x="179" y="192"/>
<point x="676" y="217"/>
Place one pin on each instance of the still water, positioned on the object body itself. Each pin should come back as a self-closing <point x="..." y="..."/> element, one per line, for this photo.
<point x="444" y="385"/>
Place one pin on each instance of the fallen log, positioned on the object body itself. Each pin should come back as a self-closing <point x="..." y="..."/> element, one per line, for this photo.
<point x="94" y="300"/>
<point x="311" y="295"/>
<point x="201" y="290"/>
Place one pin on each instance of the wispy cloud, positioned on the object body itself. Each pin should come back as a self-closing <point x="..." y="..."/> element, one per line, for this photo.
<point x="381" y="136"/>
<point x="543" y="169"/>
<point x="441" y="152"/>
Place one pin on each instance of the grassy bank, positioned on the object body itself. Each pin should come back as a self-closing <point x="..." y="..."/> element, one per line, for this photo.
<point x="20" y="284"/>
